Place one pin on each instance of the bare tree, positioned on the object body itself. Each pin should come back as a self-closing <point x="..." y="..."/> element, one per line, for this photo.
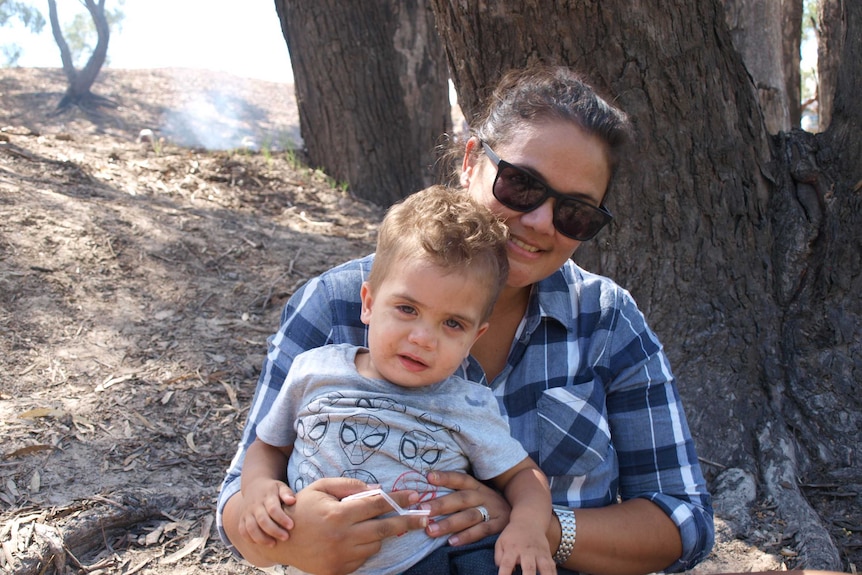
<point x="372" y="91"/>
<point x="81" y="81"/>
<point x="743" y="249"/>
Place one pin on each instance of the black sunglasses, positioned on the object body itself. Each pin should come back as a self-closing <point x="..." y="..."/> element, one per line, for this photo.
<point x="521" y="191"/>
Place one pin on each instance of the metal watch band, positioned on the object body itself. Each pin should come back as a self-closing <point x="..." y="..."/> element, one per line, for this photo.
<point x="568" y="532"/>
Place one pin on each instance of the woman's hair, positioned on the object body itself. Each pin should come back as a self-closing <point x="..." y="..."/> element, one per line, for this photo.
<point x="448" y="229"/>
<point x="544" y="93"/>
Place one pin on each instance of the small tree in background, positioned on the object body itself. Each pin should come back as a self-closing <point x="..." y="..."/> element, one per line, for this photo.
<point x="78" y="91"/>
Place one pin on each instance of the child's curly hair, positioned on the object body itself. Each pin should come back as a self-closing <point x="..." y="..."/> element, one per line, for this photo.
<point x="449" y="229"/>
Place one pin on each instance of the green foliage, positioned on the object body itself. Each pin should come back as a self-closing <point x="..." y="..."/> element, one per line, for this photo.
<point x="28" y="15"/>
<point x="292" y="159"/>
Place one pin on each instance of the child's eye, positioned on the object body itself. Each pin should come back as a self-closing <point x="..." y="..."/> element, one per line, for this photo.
<point x="408" y="309"/>
<point x="452" y="324"/>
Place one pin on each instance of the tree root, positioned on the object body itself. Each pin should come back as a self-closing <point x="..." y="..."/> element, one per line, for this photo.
<point x="83" y="527"/>
<point x="87" y="102"/>
<point x="778" y="462"/>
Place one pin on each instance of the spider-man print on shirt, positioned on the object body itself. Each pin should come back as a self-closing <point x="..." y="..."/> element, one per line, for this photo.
<point x="419" y="451"/>
<point x="375" y="435"/>
<point x="311" y="430"/>
<point x="362" y="436"/>
<point x="413" y="481"/>
<point x="308" y="474"/>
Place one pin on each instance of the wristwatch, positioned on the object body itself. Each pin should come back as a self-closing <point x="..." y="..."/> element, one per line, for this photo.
<point x="568" y="532"/>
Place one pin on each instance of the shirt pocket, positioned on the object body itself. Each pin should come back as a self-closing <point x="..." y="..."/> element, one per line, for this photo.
<point x="574" y="436"/>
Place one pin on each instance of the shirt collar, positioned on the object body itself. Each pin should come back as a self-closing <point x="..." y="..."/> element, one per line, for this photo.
<point x="552" y="298"/>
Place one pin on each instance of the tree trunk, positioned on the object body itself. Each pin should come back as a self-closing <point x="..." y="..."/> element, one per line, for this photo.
<point x="80" y="82"/>
<point x="768" y="36"/>
<point x="372" y="91"/>
<point x="676" y="222"/>
<point x="792" y="11"/>
<point x="830" y="44"/>
<point x="742" y="250"/>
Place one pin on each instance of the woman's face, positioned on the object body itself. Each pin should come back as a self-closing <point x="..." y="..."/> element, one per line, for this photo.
<point x="567" y="159"/>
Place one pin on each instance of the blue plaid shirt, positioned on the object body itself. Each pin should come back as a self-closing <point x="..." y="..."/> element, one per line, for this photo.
<point x="587" y="390"/>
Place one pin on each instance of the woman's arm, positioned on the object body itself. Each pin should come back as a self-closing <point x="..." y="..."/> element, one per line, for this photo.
<point x="630" y="538"/>
<point x="660" y="481"/>
<point x="462" y="523"/>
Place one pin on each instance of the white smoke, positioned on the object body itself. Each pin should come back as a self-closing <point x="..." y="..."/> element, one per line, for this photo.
<point x="215" y="112"/>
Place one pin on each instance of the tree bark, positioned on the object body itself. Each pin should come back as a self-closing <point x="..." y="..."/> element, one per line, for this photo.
<point x="372" y="91"/>
<point x="743" y="250"/>
<point x="830" y="44"/>
<point x="768" y="36"/>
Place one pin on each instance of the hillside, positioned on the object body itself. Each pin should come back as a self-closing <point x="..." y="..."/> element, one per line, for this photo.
<point x="138" y="283"/>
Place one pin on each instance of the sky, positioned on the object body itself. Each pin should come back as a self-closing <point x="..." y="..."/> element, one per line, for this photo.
<point x="239" y="37"/>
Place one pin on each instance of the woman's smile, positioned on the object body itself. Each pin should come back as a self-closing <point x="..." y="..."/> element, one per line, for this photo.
<point x="523" y="245"/>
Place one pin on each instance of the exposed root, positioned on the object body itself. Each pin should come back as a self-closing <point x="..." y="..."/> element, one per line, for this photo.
<point x="814" y="545"/>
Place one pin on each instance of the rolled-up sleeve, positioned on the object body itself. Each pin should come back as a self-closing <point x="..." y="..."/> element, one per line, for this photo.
<point x="696" y="529"/>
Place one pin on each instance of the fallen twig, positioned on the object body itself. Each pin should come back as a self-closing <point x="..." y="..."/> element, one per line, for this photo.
<point x="83" y="527"/>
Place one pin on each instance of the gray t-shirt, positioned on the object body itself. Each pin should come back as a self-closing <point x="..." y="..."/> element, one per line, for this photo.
<point x="342" y="424"/>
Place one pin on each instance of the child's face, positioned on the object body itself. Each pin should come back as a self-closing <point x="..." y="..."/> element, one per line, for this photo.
<point x="422" y="322"/>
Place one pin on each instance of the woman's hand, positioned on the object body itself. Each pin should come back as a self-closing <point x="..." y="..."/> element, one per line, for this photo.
<point x="329" y="536"/>
<point x="465" y="523"/>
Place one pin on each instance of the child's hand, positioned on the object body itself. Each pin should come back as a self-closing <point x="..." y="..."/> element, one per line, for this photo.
<point x="263" y="518"/>
<point x="526" y="546"/>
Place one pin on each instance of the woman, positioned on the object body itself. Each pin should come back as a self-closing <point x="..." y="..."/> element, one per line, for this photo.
<point x="583" y="381"/>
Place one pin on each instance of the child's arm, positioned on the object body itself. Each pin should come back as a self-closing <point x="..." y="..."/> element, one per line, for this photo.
<point x="523" y="542"/>
<point x="264" y="491"/>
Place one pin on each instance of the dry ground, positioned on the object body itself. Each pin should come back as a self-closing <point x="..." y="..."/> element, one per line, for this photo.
<point x="138" y="283"/>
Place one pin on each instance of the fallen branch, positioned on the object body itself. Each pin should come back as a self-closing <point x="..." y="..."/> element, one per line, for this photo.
<point x="82" y="527"/>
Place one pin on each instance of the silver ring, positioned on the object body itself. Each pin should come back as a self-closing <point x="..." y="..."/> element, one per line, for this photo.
<point x="484" y="512"/>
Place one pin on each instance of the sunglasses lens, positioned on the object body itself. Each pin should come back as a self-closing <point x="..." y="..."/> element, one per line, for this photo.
<point x="518" y="190"/>
<point x="578" y="220"/>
